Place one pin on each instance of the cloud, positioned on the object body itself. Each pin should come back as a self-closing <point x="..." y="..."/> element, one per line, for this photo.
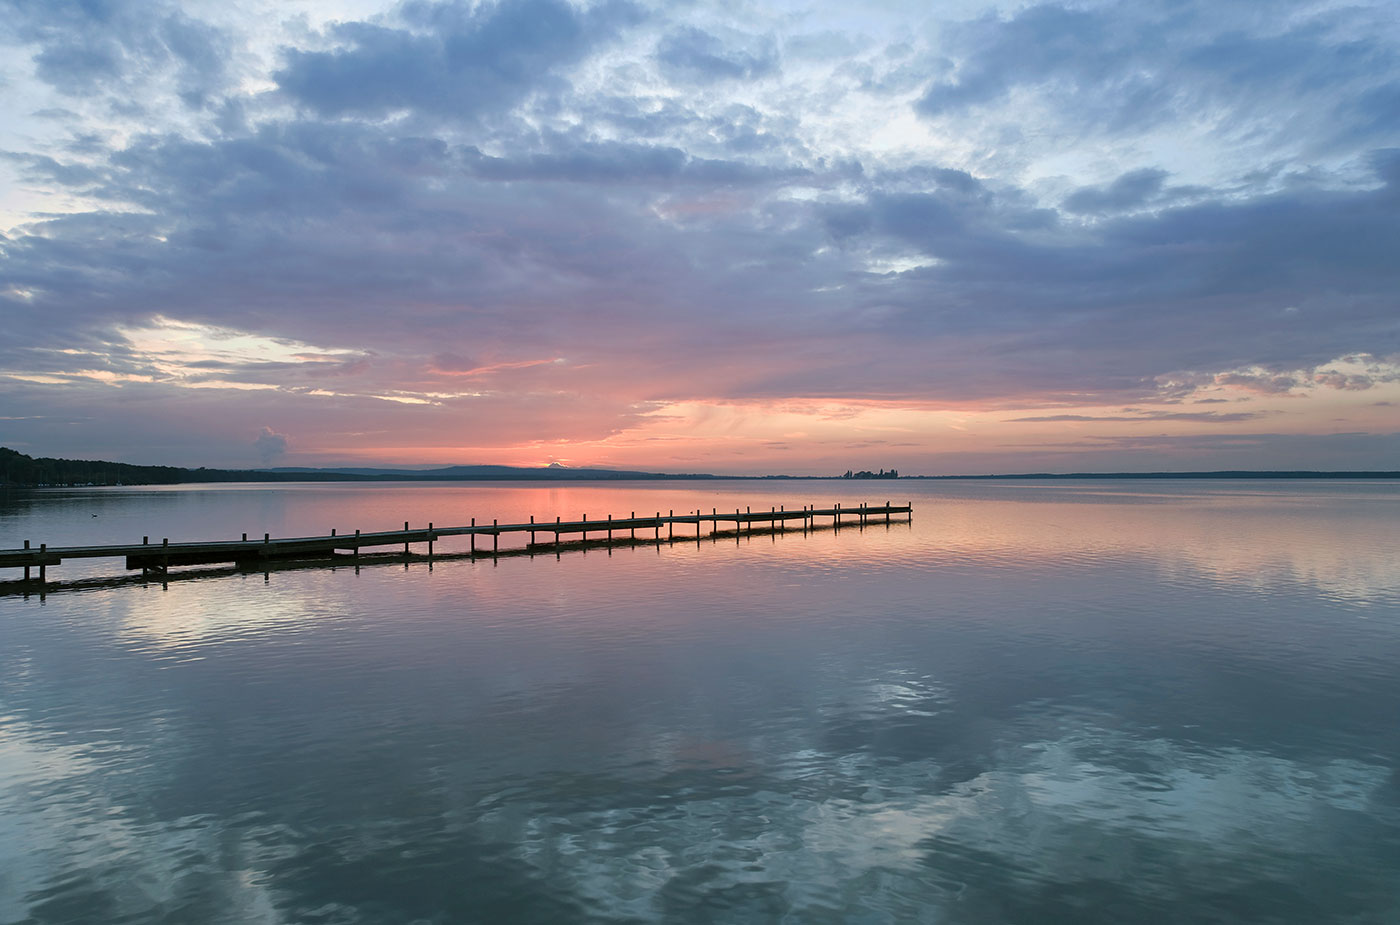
<point x="1263" y="384"/>
<point x="448" y="59"/>
<point x="1353" y="383"/>
<point x="1205" y="417"/>
<point x="270" y="445"/>
<point x="1129" y="191"/>
<point x="114" y="46"/>
<point x="691" y="55"/>
<point x="1123" y="67"/>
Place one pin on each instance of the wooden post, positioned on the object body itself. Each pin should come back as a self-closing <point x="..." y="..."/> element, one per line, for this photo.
<point x="634" y="525"/>
<point x="495" y="538"/>
<point x="585" y="529"/>
<point x="556" y="536"/>
<point x="430" y="539"/>
<point x="532" y="532"/>
<point x="887" y="511"/>
<point x="671" y="525"/>
<point x="473" y="535"/>
<point x="405" y="539"/>
<point x="610" y="529"/>
<point x="357" y="544"/>
<point x="43" y="566"/>
<point x="26" y="568"/>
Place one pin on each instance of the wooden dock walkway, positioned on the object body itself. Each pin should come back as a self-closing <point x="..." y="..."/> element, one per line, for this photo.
<point x="159" y="557"/>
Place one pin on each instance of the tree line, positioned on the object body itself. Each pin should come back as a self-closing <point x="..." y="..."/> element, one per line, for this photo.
<point x="20" y="471"/>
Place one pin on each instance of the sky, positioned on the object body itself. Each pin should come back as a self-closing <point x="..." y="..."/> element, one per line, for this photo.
<point x="733" y="237"/>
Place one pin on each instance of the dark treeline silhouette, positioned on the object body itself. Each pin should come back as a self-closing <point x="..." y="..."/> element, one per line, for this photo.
<point x="867" y="474"/>
<point x="19" y="470"/>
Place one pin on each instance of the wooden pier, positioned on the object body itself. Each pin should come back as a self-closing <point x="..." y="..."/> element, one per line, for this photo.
<point x="255" y="553"/>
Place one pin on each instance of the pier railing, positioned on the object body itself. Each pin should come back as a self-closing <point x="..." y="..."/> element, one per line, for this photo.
<point x="159" y="557"/>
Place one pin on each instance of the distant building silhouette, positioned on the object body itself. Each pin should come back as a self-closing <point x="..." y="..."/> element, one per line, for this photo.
<point x="867" y="474"/>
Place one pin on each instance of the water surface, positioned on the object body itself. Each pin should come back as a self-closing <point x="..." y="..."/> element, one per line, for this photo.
<point x="1088" y="702"/>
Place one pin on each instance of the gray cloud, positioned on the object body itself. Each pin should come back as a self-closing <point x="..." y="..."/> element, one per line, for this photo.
<point x="448" y="59"/>
<point x="270" y="445"/>
<point x="1205" y="417"/>
<point x="1132" y="189"/>
<point x="1123" y="67"/>
<point x="693" y="55"/>
<point x="111" y="46"/>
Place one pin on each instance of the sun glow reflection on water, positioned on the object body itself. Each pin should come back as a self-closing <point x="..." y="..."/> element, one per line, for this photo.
<point x="1036" y="702"/>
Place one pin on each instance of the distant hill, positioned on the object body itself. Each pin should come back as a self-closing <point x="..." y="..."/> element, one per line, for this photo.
<point x="492" y="473"/>
<point x="19" y="470"/>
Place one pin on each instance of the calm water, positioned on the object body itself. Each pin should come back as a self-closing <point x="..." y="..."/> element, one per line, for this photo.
<point x="1037" y="703"/>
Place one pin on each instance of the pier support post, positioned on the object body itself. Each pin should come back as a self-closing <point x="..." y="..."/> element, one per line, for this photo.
<point x="430" y="538"/>
<point x="585" y="529"/>
<point x="26" y="568"/>
<point x="671" y="526"/>
<point x="405" y="539"/>
<point x="609" y="529"/>
<point x="43" y="567"/>
<point x="357" y="545"/>
<point x="532" y="532"/>
<point x="473" y="536"/>
<point x="634" y="525"/>
<point x="495" y="538"/>
<point x="556" y="536"/>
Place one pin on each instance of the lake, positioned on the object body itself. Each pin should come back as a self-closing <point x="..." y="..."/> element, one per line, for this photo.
<point x="1036" y="702"/>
